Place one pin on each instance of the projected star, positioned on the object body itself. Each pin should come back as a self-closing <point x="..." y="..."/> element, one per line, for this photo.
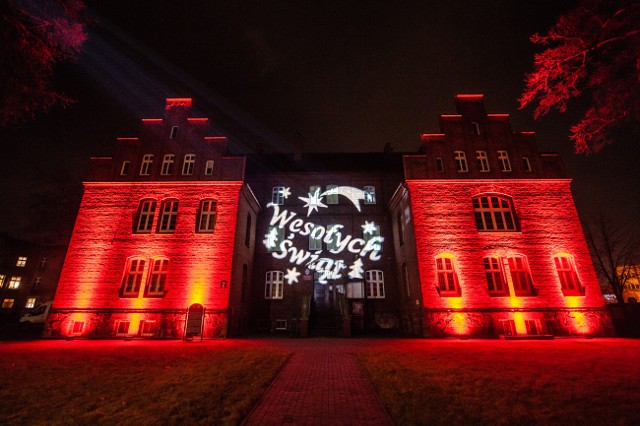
<point x="286" y="192"/>
<point x="369" y="228"/>
<point x="292" y="275"/>
<point x="313" y="201"/>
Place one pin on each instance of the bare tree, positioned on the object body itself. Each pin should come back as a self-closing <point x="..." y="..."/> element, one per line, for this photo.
<point x="615" y="249"/>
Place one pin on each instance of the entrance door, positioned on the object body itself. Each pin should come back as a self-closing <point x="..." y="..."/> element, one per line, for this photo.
<point x="321" y="295"/>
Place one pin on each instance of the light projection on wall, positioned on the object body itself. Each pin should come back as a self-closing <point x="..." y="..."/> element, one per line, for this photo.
<point x="327" y="263"/>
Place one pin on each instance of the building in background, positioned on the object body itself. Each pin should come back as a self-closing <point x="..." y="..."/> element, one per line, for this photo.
<point x="476" y="234"/>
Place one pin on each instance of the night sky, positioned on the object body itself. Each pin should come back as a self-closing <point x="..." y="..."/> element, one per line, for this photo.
<point x="339" y="75"/>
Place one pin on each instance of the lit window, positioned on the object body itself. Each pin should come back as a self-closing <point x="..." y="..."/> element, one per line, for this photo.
<point x="22" y="261"/>
<point x="37" y="282"/>
<point x="146" y="212"/>
<point x="315" y="239"/>
<point x="439" y="165"/>
<point x="277" y="195"/>
<point x="14" y="282"/>
<point x="332" y="194"/>
<point x="375" y="284"/>
<point x="521" y="276"/>
<point x="475" y="128"/>
<point x="369" y="194"/>
<point x="208" y="168"/>
<point x="505" y="165"/>
<point x="31" y="302"/>
<point x="569" y="281"/>
<point x="188" y="164"/>
<point x="167" y="165"/>
<point x="3" y="278"/>
<point x="174" y="132"/>
<point x="123" y="328"/>
<point x="526" y="164"/>
<point x="8" y="303"/>
<point x="273" y="285"/>
<point x="273" y="238"/>
<point x="494" y="213"/>
<point x="461" y="161"/>
<point x="483" y="161"/>
<point x="158" y="278"/>
<point x="124" y="169"/>
<point x="447" y="276"/>
<point x="496" y="282"/>
<point x="168" y="216"/>
<point x="145" y="167"/>
<point x="207" y="216"/>
<point x="76" y="328"/>
<point x="132" y="277"/>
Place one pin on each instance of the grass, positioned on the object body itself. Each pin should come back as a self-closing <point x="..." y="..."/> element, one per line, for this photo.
<point x="137" y="383"/>
<point x="569" y="382"/>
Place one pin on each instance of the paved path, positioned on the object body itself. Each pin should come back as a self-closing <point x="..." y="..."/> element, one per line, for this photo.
<point x="321" y="384"/>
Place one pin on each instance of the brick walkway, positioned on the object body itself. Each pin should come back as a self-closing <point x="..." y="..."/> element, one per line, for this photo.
<point x="321" y="384"/>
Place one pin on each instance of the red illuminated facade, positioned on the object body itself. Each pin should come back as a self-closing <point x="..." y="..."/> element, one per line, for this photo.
<point x="476" y="234"/>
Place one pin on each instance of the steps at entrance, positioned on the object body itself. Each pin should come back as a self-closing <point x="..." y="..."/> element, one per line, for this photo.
<point x="326" y="323"/>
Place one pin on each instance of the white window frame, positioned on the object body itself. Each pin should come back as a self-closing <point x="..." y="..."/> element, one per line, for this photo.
<point x="567" y="275"/>
<point x="207" y="216"/>
<point x="520" y="275"/>
<point x="494" y="273"/>
<point x="145" y="216"/>
<point x="14" y="282"/>
<point x="157" y="281"/>
<point x="526" y="164"/>
<point x="447" y="276"/>
<point x="145" y="166"/>
<point x="483" y="161"/>
<point x="188" y="164"/>
<point x="168" y="216"/>
<point x="277" y="195"/>
<point x="374" y="279"/>
<point x="274" y="285"/>
<point x="494" y="212"/>
<point x="369" y="194"/>
<point x="505" y="164"/>
<point x="461" y="161"/>
<point x="30" y="303"/>
<point x="124" y="168"/>
<point x="132" y="279"/>
<point x="208" y="167"/>
<point x="167" y="165"/>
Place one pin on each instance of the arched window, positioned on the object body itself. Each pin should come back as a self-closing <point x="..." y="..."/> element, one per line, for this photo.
<point x="144" y="218"/>
<point x="447" y="276"/>
<point x="132" y="279"/>
<point x="168" y="216"/>
<point x="569" y="281"/>
<point x="494" y="272"/>
<point x="494" y="213"/>
<point x="521" y="276"/>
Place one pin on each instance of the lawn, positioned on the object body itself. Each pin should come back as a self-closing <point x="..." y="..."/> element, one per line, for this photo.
<point x="141" y="383"/>
<point x="453" y="382"/>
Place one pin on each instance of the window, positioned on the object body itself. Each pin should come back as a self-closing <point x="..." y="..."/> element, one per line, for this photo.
<point x="569" y="281"/>
<point x="22" y="261"/>
<point x="132" y="278"/>
<point x="174" y="132"/>
<point x="520" y="275"/>
<point x="8" y="303"/>
<point x="496" y="283"/>
<point x="475" y="128"/>
<point x="146" y="212"/>
<point x="334" y="231"/>
<point x="369" y="194"/>
<point x="371" y="231"/>
<point x="405" y="279"/>
<point x="188" y="164"/>
<point x="273" y="285"/>
<point x="439" y="165"/>
<point x="208" y="168"/>
<point x="505" y="165"/>
<point x="43" y="262"/>
<point x="375" y="284"/>
<point x="14" y="282"/>
<point x="315" y="239"/>
<point x="447" y="276"/>
<point x="124" y="169"/>
<point x="483" y="161"/>
<point x="207" y="216"/>
<point x="533" y="327"/>
<point x="31" y="302"/>
<point x="247" y="230"/>
<point x="146" y="328"/>
<point x="273" y="238"/>
<point x="145" y="167"/>
<point x="281" y="324"/>
<point x="158" y="278"/>
<point x="494" y="213"/>
<point x="400" y="224"/>
<point x="277" y="195"/>
<point x="461" y="162"/>
<point x="3" y="278"/>
<point x="526" y="164"/>
<point x="37" y="282"/>
<point x="167" y="165"/>
<point x="332" y="194"/>
<point x="123" y="328"/>
<point x="168" y="216"/>
<point x="76" y="328"/>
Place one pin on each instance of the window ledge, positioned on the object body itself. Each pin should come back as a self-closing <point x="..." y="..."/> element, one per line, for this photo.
<point x="443" y="293"/>
<point x="574" y="292"/>
<point x="533" y="292"/>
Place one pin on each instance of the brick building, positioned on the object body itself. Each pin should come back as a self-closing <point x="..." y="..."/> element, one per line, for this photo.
<point x="476" y="234"/>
